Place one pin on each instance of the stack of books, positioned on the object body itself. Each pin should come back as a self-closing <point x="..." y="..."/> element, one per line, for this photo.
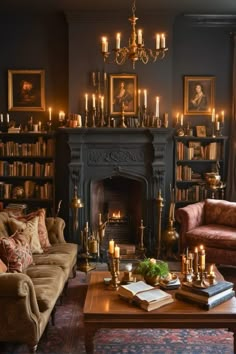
<point x="206" y="298"/>
<point x="145" y="296"/>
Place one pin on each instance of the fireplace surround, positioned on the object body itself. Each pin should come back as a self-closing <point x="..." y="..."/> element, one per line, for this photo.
<point x="118" y="173"/>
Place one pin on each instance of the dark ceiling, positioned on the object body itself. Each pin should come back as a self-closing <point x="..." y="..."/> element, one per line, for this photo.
<point x="175" y="6"/>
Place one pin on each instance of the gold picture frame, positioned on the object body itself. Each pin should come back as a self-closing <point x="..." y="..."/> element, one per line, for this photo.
<point x="200" y="130"/>
<point x="26" y="90"/>
<point x="199" y="95"/>
<point x="123" y="91"/>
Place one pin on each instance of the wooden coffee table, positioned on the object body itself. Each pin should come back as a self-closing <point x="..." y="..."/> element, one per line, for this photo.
<point x="104" y="309"/>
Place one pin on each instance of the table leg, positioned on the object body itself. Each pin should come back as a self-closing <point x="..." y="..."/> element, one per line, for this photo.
<point x="89" y="334"/>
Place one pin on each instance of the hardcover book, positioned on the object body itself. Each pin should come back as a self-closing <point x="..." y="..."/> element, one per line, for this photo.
<point x="211" y="290"/>
<point x="145" y="296"/>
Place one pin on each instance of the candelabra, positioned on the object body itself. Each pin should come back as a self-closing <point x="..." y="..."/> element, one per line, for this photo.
<point x="85" y="266"/>
<point x="136" y="50"/>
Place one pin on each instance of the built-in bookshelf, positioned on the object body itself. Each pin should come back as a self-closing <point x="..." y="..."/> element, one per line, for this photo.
<point x="194" y="157"/>
<point x="27" y="169"/>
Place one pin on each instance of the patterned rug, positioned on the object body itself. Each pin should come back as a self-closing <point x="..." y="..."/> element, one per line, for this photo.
<point x="66" y="337"/>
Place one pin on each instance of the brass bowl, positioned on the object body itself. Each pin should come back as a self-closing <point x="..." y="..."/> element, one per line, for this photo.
<point x="213" y="179"/>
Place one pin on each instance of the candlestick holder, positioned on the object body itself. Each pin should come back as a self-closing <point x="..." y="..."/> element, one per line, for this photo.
<point x="93" y="118"/>
<point x="122" y="123"/>
<point x="114" y="267"/>
<point x="86" y="119"/>
<point x="144" y="117"/>
<point x="85" y="266"/>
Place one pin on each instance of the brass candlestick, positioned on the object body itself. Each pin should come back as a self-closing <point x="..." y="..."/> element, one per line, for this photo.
<point x="86" y="119"/>
<point x="114" y="266"/>
<point x="122" y="123"/>
<point x="160" y="206"/>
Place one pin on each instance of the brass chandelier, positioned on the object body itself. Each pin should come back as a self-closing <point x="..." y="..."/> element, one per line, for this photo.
<point x="136" y="50"/>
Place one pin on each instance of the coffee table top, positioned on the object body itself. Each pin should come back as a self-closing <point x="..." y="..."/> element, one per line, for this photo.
<point x="103" y="307"/>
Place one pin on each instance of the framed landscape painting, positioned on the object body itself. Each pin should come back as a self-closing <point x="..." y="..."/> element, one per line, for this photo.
<point x="199" y="95"/>
<point x="123" y="94"/>
<point x="26" y="90"/>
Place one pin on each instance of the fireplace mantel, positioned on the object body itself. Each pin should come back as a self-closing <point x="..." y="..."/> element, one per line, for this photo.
<point x="95" y="154"/>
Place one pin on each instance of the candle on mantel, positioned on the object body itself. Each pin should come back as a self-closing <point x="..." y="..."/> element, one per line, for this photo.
<point x="222" y="117"/>
<point x="94" y="101"/>
<point x="50" y="113"/>
<point x="118" y="41"/>
<point x="213" y="115"/>
<point x="182" y="120"/>
<point x="102" y="102"/>
<point x="139" y="93"/>
<point x="117" y="252"/>
<point x="145" y="98"/>
<point x="8" y="118"/>
<point x="157" y="106"/>
<point x="177" y="118"/>
<point x="39" y="125"/>
<point x="111" y="246"/>
<point x="86" y="102"/>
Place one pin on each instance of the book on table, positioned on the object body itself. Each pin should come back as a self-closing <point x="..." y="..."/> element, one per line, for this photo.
<point x="203" y="298"/>
<point x="145" y="296"/>
<point x="211" y="290"/>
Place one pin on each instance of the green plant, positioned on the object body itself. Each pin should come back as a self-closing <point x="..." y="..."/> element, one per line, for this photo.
<point x="151" y="267"/>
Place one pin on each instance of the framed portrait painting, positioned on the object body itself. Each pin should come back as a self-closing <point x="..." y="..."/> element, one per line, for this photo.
<point x="199" y="95"/>
<point x="123" y="94"/>
<point x="26" y="90"/>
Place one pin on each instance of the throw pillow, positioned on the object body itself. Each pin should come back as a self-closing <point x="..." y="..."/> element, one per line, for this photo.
<point x="15" y="252"/>
<point x="30" y="230"/>
<point x="3" y="267"/>
<point x="42" y="229"/>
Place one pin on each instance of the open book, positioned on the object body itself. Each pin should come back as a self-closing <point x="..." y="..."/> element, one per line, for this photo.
<point x="146" y="296"/>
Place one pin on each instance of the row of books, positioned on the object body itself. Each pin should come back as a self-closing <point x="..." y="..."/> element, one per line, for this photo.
<point x="195" y="151"/>
<point x="41" y="147"/>
<point x="149" y="298"/>
<point x="186" y="173"/>
<point x="26" y="169"/>
<point x="29" y="190"/>
<point x="193" y="193"/>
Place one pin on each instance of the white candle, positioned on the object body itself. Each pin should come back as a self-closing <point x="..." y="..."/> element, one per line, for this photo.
<point x="1" y="118"/>
<point x="157" y="106"/>
<point x="86" y="102"/>
<point x="39" y="125"/>
<point x="213" y="114"/>
<point x="8" y="119"/>
<point x="111" y="246"/>
<point x="102" y="102"/>
<point x="182" y="120"/>
<point x="163" y="41"/>
<point x="140" y="36"/>
<point x="139" y="93"/>
<point x="177" y="118"/>
<point x="94" y="101"/>
<point x="104" y="45"/>
<point x="118" y="41"/>
<point x="61" y="115"/>
<point x="117" y="252"/>
<point x="50" y="113"/>
<point x="145" y="98"/>
<point x="158" y="41"/>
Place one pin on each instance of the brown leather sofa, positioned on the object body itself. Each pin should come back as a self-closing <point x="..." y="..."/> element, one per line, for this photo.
<point x="211" y="223"/>
<point x="28" y="298"/>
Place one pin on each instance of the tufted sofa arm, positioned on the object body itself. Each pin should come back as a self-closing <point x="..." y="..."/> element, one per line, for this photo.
<point x="189" y="218"/>
<point x="55" y="227"/>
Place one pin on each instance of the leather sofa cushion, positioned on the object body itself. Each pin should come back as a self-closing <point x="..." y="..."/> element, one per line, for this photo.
<point x="48" y="284"/>
<point x="220" y="212"/>
<point x="212" y="235"/>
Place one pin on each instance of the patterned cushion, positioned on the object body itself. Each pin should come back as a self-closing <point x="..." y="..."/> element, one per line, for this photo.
<point x="30" y="230"/>
<point x="15" y="252"/>
<point x="220" y="212"/>
<point x="42" y="229"/>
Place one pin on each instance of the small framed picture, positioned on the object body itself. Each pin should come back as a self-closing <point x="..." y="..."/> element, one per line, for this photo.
<point x="201" y="130"/>
<point x="199" y="95"/>
<point x="26" y="90"/>
<point x="123" y="94"/>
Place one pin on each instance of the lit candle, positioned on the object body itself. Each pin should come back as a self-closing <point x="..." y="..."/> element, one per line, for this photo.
<point x="158" y="41"/>
<point x="8" y="119"/>
<point x="39" y="125"/>
<point x="202" y="260"/>
<point x="117" y="252"/>
<point x="211" y="270"/>
<point x="50" y="113"/>
<point x="163" y="41"/>
<point x="157" y="106"/>
<point x="177" y="118"/>
<point x="140" y="36"/>
<point x="94" y="101"/>
<point x="86" y="102"/>
<point x="213" y="114"/>
<point x="102" y="102"/>
<point x="222" y="117"/>
<point x="111" y="246"/>
<point x="145" y="98"/>
<point x="1" y="118"/>
<point x="118" y="41"/>
<point x="139" y="93"/>
<point x="182" y="120"/>
<point x="86" y="226"/>
<point x="61" y="115"/>
<point x="195" y="260"/>
<point x="104" y="45"/>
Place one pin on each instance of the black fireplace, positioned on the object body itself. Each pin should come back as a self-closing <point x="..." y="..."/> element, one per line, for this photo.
<point x="118" y="173"/>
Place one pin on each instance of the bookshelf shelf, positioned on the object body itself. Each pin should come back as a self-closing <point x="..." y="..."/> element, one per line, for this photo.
<point x="193" y="157"/>
<point x="27" y="169"/>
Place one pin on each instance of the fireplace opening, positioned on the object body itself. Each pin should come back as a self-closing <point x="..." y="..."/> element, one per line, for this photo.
<point x="120" y="201"/>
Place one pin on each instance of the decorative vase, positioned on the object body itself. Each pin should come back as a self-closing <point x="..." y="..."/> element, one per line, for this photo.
<point x="152" y="280"/>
